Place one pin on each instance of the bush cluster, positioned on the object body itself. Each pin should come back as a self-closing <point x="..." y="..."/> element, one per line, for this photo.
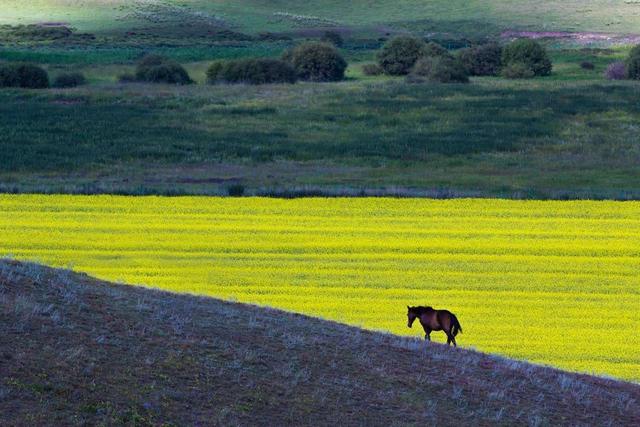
<point x="69" y="80"/>
<point x="528" y="54"/>
<point x="400" y="54"/>
<point x="23" y="75"/>
<point x="318" y="62"/>
<point x="441" y="69"/>
<point x="251" y="71"/>
<point x="520" y="59"/>
<point x="482" y="60"/>
<point x="159" y="69"/>
<point x="421" y="61"/>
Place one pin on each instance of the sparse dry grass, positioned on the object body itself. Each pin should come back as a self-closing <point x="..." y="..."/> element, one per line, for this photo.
<point x="78" y="351"/>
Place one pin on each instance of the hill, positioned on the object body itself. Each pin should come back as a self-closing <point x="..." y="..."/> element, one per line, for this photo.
<point x="254" y="16"/>
<point x="75" y="350"/>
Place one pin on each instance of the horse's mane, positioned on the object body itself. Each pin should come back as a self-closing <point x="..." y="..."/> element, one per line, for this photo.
<point x="420" y="309"/>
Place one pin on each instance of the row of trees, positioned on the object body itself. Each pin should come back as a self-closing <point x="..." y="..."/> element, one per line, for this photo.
<point x="322" y="62"/>
<point x="319" y="62"/>
<point x="409" y="56"/>
<point x="312" y="61"/>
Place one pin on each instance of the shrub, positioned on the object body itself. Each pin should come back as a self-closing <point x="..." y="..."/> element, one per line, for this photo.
<point x="400" y="54"/>
<point x="318" y="62"/>
<point x="23" y="75"/>
<point x="33" y="76"/>
<point x="517" y="70"/>
<point x="158" y="69"/>
<point x="333" y="37"/>
<point x="252" y="71"/>
<point x="171" y="73"/>
<point x="529" y="53"/>
<point x="9" y="75"/>
<point x="586" y="65"/>
<point x="372" y="70"/>
<point x="69" y="80"/>
<point x="215" y="71"/>
<point x="616" y="71"/>
<point x="442" y="69"/>
<point x="483" y="60"/>
<point x="633" y="63"/>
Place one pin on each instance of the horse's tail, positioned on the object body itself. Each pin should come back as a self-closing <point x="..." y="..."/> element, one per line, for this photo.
<point x="456" y="325"/>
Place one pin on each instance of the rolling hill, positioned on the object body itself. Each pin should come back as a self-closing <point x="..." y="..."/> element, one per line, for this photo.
<point x="77" y="351"/>
<point x="253" y="16"/>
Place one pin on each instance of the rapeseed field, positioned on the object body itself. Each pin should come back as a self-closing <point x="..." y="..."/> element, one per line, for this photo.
<point x="553" y="282"/>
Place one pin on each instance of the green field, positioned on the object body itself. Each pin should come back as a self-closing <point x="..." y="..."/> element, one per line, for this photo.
<point x="550" y="282"/>
<point x="570" y="135"/>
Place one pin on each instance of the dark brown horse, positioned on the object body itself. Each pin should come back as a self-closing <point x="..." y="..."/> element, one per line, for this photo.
<point x="435" y="320"/>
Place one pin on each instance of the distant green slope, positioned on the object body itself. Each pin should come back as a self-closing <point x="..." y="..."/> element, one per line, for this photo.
<point x="277" y="15"/>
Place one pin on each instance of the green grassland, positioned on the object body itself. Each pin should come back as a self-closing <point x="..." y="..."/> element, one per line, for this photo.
<point x="569" y="135"/>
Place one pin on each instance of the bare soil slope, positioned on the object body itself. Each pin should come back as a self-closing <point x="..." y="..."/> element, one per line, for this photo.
<point x="75" y="350"/>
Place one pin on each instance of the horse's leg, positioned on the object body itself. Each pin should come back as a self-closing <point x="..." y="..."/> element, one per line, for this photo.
<point x="450" y="337"/>
<point x="447" y="327"/>
<point x="427" y="334"/>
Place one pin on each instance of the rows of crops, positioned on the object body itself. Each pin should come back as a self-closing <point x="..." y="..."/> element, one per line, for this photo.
<point x="551" y="282"/>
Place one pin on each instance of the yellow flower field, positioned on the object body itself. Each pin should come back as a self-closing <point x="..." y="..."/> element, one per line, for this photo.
<point x="551" y="282"/>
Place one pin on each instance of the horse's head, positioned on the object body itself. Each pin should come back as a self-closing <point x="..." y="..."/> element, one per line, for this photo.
<point x="411" y="315"/>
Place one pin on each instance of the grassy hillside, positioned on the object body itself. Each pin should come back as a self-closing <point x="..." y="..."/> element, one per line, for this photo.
<point x="77" y="351"/>
<point x="569" y="135"/>
<point x="526" y="278"/>
<point x="253" y="16"/>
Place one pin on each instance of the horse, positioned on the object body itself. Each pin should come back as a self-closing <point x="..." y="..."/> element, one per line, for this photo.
<point x="435" y="320"/>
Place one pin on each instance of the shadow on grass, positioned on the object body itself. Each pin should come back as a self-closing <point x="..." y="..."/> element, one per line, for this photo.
<point x="389" y="121"/>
